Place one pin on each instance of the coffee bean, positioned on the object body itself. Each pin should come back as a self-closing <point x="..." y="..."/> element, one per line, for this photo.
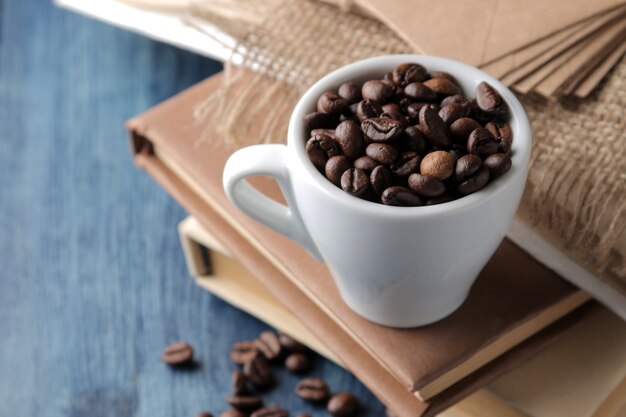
<point x="456" y="153"/>
<point x="381" y="178"/>
<point x="381" y="129"/>
<point x="395" y="115"/>
<point x="238" y="382"/>
<point x="500" y="130"/>
<point x="355" y="181"/>
<point x="433" y="127"/>
<point x="407" y="163"/>
<point x="323" y="132"/>
<point x="487" y="97"/>
<point x="481" y="142"/>
<point x="381" y="152"/>
<point x="498" y="164"/>
<point x="391" y="108"/>
<point x="178" y="354"/>
<point x="456" y="99"/>
<point x="408" y="73"/>
<point x="342" y="405"/>
<point x="475" y="183"/>
<point x="419" y="91"/>
<point x="298" y="363"/>
<point x="413" y="110"/>
<point x="444" y="75"/>
<point x="243" y="352"/>
<point x="204" y="414"/>
<point x="426" y="186"/>
<point x="267" y="343"/>
<point x="232" y="413"/>
<point x="312" y="389"/>
<point x="438" y="164"/>
<point x="442" y="86"/>
<point x="290" y="344"/>
<point x="444" y="198"/>
<point x="272" y="411"/>
<point x="320" y="148"/>
<point x="460" y="129"/>
<point x="452" y="112"/>
<point x="365" y="163"/>
<point x="400" y="196"/>
<point x="367" y="109"/>
<point x="413" y="139"/>
<point x="377" y="90"/>
<point x="335" y="168"/>
<point x="319" y="120"/>
<point x="330" y="102"/>
<point x="245" y="403"/>
<point x="466" y="166"/>
<point x="350" y="139"/>
<point x="504" y="146"/>
<point x="258" y="371"/>
<point x="350" y="92"/>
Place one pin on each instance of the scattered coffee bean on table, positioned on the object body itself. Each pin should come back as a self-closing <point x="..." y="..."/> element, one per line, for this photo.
<point x="269" y="345"/>
<point x="178" y="354"/>
<point x="245" y="403"/>
<point x="312" y="389"/>
<point x="243" y="352"/>
<point x="411" y="138"/>
<point x="238" y="382"/>
<point x="342" y="405"/>
<point x="272" y="411"/>
<point x="258" y="371"/>
<point x="232" y="413"/>
<point x="291" y="344"/>
<point x="298" y="363"/>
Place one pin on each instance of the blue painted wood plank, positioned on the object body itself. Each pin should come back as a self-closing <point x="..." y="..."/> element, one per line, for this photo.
<point x="92" y="280"/>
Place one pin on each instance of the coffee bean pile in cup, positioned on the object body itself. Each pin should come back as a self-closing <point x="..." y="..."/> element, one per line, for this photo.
<point x="255" y="376"/>
<point x="409" y="139"/>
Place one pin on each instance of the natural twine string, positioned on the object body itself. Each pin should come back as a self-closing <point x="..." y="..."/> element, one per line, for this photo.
<point x="576" y="185"/>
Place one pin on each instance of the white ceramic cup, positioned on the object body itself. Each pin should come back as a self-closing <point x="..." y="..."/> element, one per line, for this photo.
<point x="396" y="266"/>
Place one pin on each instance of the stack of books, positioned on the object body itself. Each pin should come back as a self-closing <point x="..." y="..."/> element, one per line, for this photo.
<point x="496" y="354"/>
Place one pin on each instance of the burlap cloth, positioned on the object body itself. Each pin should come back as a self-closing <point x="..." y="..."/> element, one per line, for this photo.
<point x="577" y="179"/>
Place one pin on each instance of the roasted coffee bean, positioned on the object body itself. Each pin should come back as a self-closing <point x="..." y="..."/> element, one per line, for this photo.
<point x="350" y="92"/>
<point x="367" y="109"/>
<point x="419" y="91"/>
<point x="456" y="99"/>
<point x="330" y="102"/>
<point x="487" y="97"/>
<point x="232" y="413"/>
<point x="381" y="179"/>
<point x="475" y="183"/>
<point x="178" y="354"/>
<point x="381" y="129"/>
<point x="460" y="129"/>
<point x="442" y="86"/>
<point x="319" y="120"/>
<point x="504" y="146"/>
<point x="342" y="405"/>
<point x="444" y="75"/>
<point x="400" y="196"/>
<point x="500" y="130"/>
<point x="395" y="115"/>
<point x="433" y="127"/>
<point x="204" y="414"/>
<point x="407" y="163"/>
<point x="426" y="186"/>
<point x="267" y="343"/>
<point x="355" y="182"/>
<point x="290" y="344"/>
<point x="482" y="143"/>
<point x="438" y="164"/>
<point x="452" y="112"/>
<point x="413" y="110"/>
<point x="381" y="152"/>
<point x="298" y="363"/>
<point x="391" y="107"/>
<point x="272" y="411"/>
<point x="365" y="163"/>
<point x="335" y="167"/>
<point x="243" y="352"/>
<point x="312" y="389"/>
<point x="456" y="153"/>
<point x="245" y="403"/>
<point x="377" y="90"/>
<point x="238" y="382"/>
<point x="323" y="132"/>
<point x="350" y="139"/>
<point x="408" y="73"/>
<point x="498" y="164"/>
<point x="258" y="371"/>
<point x="320" y="148"/>
<point x="413" y="139"/>
<point x="466" y="166"/>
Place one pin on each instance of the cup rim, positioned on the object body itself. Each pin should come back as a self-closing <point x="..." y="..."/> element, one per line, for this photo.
<point x="521" y="146"/>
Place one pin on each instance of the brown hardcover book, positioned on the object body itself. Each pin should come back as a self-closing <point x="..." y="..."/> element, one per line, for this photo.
<point x="514" y="298"/>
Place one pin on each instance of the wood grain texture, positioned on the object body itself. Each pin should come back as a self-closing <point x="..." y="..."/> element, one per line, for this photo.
<point x="93" y="283"/>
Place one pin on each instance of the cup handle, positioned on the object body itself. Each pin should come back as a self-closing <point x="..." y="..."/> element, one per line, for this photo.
<point x="267" y="160"/>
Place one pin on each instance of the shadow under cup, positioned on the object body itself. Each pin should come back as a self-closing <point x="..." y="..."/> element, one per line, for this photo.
<point x="405" y="266"/>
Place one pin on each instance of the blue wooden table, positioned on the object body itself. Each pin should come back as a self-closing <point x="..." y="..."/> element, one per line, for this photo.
<point x="92" y="280"/>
